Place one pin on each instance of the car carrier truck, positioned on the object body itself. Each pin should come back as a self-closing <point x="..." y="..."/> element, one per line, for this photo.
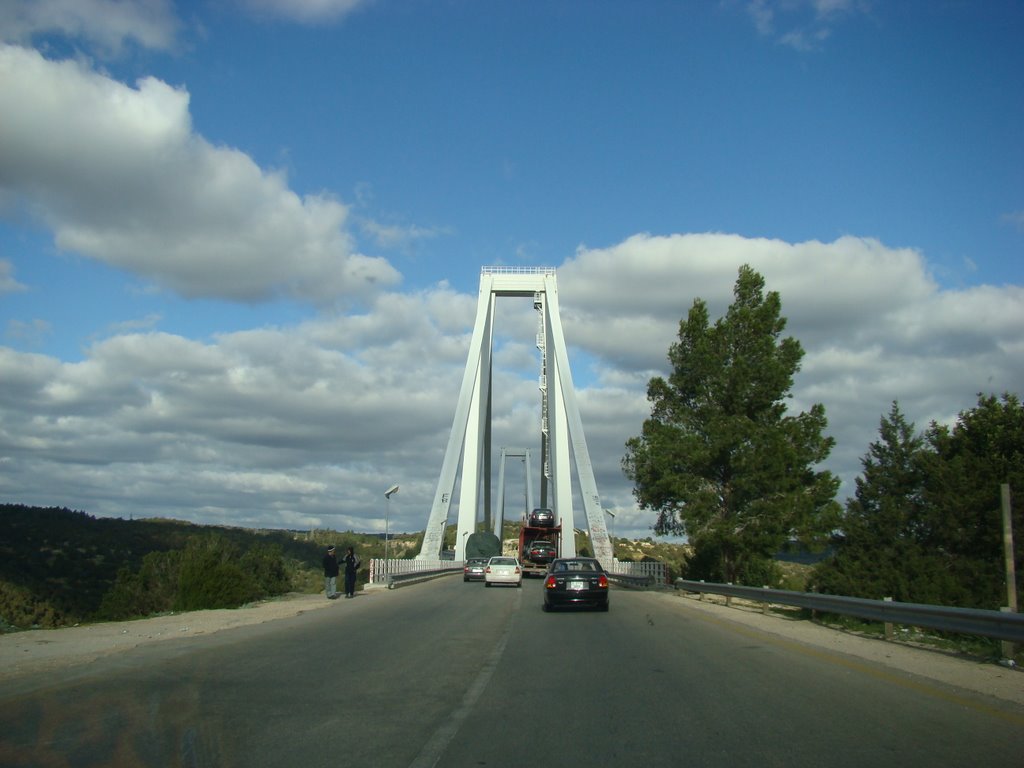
<point x="538" y="545"/>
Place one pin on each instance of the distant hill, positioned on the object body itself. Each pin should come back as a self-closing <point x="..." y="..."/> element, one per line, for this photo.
<point x="57" y="564"/>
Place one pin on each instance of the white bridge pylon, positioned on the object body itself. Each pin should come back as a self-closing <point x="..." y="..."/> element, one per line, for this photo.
<point x="562" y="442"/>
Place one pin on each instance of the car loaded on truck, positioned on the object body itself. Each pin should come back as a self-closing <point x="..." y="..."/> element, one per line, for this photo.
<point x="539" y="541"/>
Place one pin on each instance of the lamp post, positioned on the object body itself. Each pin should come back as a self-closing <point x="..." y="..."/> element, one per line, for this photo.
<point x="387" y="514"/>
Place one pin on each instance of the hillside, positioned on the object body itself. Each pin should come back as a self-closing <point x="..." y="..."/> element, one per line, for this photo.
<point x="57" y="564"/>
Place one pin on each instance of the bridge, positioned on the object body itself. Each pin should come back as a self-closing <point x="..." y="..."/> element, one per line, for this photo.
<point x="563" y="447"/>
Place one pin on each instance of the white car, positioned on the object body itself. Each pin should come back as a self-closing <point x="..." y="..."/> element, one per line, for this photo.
<point x="503" y="570"/>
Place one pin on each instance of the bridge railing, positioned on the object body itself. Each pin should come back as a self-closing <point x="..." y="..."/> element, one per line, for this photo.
<point x="642" y="574"/>
<point x="395" y="572"/>
<point x="392" y="573"/>
<point x="1000" y="625"/>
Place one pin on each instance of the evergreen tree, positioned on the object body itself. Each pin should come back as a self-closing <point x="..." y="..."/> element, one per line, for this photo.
<point x="968" y="464"/>
<point x="719" y="460"/>
<point x="881" y="552"/>
<point x="925" y="525"/>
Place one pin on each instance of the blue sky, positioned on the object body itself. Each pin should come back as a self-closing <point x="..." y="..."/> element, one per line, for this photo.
<point x="240" y="241"/>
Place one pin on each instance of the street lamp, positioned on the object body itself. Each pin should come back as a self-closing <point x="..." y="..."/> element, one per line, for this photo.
<point x="387" y="510"/>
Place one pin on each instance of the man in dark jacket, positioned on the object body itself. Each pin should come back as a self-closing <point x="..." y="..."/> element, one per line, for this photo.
<point x="351" y="568"/>
<point x="330" y="574"/>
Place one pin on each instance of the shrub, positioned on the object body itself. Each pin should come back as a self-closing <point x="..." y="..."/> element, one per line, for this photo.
<point x="20" y="610"/>
<point x="210" y="572"/>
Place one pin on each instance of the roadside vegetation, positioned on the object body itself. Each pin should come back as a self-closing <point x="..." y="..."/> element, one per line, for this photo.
<point x="722" y="461"/>
<point x="60" y="567"/>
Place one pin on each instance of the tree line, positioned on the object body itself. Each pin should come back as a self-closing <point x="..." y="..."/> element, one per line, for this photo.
<point x="722" y="461"/>
<point x="60" y="567"/>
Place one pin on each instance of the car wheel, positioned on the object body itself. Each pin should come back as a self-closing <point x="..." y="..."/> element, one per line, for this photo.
<point x="604" y="607"/>
<point x="487" y="583"/>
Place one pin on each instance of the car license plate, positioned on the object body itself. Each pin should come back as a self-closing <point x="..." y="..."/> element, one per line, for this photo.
<point x="577" y="585"/>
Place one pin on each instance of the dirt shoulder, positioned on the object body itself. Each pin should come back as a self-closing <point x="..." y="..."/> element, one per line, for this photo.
<point x="46" y="650"/>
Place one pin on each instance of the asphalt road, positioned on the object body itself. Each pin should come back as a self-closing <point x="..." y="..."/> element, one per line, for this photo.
<point x="456" y="675"/>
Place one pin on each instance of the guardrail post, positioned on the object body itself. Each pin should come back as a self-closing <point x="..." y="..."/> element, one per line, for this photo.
<point x="765" y="605"/>
<point x="701" y="598"/>
<point x="888" y="624"/>
<point x="1008" y="649"/>
<point x="728" y="598"/>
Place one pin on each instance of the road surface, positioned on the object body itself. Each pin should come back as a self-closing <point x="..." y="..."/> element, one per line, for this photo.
<point x="451" y="674"/>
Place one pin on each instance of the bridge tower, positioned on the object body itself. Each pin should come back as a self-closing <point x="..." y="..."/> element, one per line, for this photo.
<point x="562" y="442"/>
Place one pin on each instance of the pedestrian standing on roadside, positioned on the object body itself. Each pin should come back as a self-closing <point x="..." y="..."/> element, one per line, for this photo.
<point x="330" y="574"/>
<point x="351" y="568"/>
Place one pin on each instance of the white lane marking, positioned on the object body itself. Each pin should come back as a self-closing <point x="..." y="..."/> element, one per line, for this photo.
<point x="438" y="743"/>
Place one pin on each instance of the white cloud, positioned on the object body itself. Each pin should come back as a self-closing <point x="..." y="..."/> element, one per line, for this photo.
<point x="30" y="333"/>
<point x="304" y="426"/>
<point x="874" y="326"/>
<point x="803" y="25"/>
<point x="1015" y="219"/>
<point x="8" y="284"/>
<point x="118" y="175"/>
<point x="392" y="236"/>
<point x="105" y="25"/>
<point x="304" y="11"/>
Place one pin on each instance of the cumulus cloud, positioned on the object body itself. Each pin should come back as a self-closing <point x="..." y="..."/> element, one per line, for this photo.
<point x="874" y="325"/>
<point x="305" y="425"/>
<point x="119" y="176"/>
<point x="105" y="26"/>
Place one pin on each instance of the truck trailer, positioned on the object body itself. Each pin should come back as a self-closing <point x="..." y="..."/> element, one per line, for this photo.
<point x="534" y="553"/>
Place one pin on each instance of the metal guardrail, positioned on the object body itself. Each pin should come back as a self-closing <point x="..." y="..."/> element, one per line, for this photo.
<point x="969" y="621"/>
<point x="634" y="582"/>
<point x="395" y="580"/>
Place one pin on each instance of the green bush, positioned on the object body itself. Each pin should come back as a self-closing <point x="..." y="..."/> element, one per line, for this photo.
<point x="210" y="572"/>
<point x="150" y="591"/>
<point x="708" y="563"/>
<point x="264" y="564"/>
<point x="19" y="609"/>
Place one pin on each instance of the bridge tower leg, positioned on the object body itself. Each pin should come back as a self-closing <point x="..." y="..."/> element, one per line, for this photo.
<point x="563" y="443"/>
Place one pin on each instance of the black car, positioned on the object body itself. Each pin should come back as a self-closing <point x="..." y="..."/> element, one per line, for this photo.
<point x="473" y="570"/>
<point x="540" y="551"/>
<point x="541" y="518"/>
<point x="576" y="582"/>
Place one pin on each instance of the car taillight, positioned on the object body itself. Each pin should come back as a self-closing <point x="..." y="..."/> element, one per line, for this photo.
<point x="550" y="582"/>
<point x="602" y="581"/>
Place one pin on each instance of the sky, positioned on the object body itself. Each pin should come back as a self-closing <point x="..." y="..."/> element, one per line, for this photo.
<point x="241" y="240"/>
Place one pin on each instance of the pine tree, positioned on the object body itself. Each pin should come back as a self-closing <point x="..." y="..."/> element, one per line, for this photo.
<point x="881" y="553"/>
<point x="968" y="464"/>
<point x="719" y="459"/>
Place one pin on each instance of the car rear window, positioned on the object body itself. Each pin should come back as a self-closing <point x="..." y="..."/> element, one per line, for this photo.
<point x="590" y="566"/>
